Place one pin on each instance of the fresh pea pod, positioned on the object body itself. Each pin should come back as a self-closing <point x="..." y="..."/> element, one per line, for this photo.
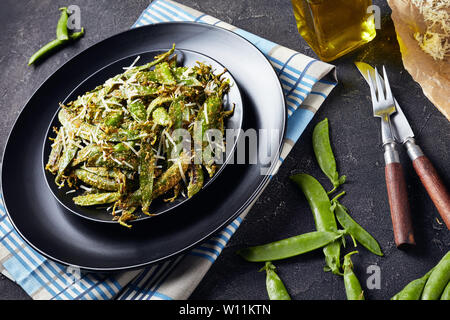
<point x="438" y="280"/>
<point x="61" y="28"/>
<point x="354" y="229"/>
<point x="353" y="288"/>
<point x="289" y="247"/>
<point x="52" y="45"/>
<point x="274" y="285"/>
<point x="413" y="290"/>
<point x="323" y="216"/>
<point x="446" y="294"/>
<point x="96" y="199"/>
<point x="324" y="153"/>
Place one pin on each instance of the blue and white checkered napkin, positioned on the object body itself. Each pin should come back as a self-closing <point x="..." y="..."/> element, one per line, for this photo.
<point x="305" y="86"/>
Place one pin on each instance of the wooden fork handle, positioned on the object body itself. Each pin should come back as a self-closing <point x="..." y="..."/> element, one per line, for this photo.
<point x="430" y="180"/>
<point x="398" y="198"/>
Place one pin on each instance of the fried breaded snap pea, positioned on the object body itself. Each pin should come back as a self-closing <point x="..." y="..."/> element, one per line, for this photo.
<point x="118" y="141"/>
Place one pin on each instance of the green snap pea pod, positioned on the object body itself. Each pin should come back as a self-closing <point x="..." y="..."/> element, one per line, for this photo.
<point x="438" y="279"/>
<point x="113" y="119"/>
<point x="176" y="112"/>
<point x="160" y="116"/>
<point x="354" y="229"/>
<point x="137" y="110"/>
<point x="108" y="172"/>
<point x="324" y="153"/>
<point x="208" y="118"/>
<point x="353" y="288"/>
<point x="185" y="79"/>
<point x="164" y="74"/>
<point x="323" y="216"/>
<point x="274" y="285"/>
<point x="172" y="176"/>
<point x="53" y="159"/>
<point x="66" y="158"/>
<point x="52" y="45"/>
<point x="143" y="91"/>
<point x="413" y="290"/>
<point x="196" y="180"/>
<point x="146" y="176"/>
<point x="145" y="77"/>
<point x="97" y="181"/>
<point x="96" y="199"/>
<point x="157" y="102"/>
<point x="157" y="60"/>
<point x="123" y="160"/>
<point x="289" y="247"/>
<point x="86" y="153"/>
<point x="61" y="28"/>
<point x="446" y="294"/>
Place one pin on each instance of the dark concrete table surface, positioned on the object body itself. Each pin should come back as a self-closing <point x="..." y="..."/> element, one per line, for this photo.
<point x="281" y="211"/>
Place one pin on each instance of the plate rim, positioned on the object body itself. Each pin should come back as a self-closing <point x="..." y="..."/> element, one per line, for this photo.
<point x="237" y="212"/>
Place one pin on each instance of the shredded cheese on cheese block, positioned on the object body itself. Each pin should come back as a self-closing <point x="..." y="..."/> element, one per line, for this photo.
<point x="435" y="40"/>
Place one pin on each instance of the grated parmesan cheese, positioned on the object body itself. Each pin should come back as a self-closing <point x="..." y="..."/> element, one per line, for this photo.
<point x="435" y="40"/>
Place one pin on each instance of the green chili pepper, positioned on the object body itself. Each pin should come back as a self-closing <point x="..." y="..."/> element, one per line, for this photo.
<point x="52" y="45"/>
<point x="353" y="288"/>
<point x="96" y="199"/>
<point x="324" y="154"/>
<point x="275" y="287"/>
<point x="446" y="294"/>
<point x="61" y="28"/>
<point x="438" y="280"/>
<point x="323" y="216"/>
<point x="289" y="247"/>
<point x="413" y="290"/>
<point x="354" y="229"/>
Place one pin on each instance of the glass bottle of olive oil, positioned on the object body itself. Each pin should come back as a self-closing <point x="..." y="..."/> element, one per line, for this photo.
<point x="333" y="28"/>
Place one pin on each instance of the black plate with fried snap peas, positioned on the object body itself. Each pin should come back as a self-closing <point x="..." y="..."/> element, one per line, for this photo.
<point x="110" y="153"/>
<point x="53" y="231"/>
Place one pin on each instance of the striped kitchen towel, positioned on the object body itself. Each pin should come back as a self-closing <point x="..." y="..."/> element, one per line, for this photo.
<point x="306" y="83"/>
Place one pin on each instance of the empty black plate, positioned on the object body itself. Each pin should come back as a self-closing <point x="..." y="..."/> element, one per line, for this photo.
<point x="185" y="58"/>
<point x="69" y="239"/>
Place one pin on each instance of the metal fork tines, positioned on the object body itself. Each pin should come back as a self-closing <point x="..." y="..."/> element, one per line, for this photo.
<point x="383" y="104"/>
<point x="384" y="107"/>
